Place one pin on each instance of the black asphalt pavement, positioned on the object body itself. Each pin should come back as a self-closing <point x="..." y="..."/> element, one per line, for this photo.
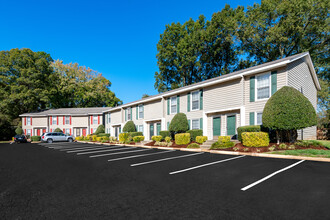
<point x="38" y="182"/>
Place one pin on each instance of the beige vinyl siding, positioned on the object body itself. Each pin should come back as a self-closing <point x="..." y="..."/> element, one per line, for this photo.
<point x="258" y="106"/>
<point x="116" y="117"/>
<point x="153" y="110"/>
<point x="300" y="78"/>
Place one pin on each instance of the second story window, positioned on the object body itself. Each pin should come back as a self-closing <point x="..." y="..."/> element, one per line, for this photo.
<point x="140" y="111"/>
<point x="109" y="118"/>
<point x="95" y="119"/>
<point x="67" y="120"/>
<point x="195" y="100"/>
<point x="54" y="120"/>
<point x="173" y="105"/>
<point x="263" y="86"/>
<point x="129" y="114"/>
<point x="28" y="121"/>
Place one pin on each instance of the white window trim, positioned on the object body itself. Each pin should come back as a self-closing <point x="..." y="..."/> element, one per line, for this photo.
<point x="256" y="87"/>
<point x="139" y="107"/>
<point x="191" y="124"/>
<point x="191" y="101"/>
<point x="256" y="118"/>
<point x="176" y="104"/>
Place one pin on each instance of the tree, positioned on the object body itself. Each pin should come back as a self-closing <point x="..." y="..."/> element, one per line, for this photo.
<point x="145" y="96"/>
<point x="19" y="131"/>
<point x="100" y="129"/>
<point x="288" y="110"/>
<point x="179" y="124"/>
<point x="79" y="86"/>
<point x="58" y="130"/>
<point x="129" y="127"/>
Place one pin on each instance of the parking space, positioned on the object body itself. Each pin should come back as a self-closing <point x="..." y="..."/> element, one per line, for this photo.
<point x="132" y="182"/>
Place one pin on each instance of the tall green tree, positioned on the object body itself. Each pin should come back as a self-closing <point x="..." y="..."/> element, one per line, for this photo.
<point x="79" y="86"/>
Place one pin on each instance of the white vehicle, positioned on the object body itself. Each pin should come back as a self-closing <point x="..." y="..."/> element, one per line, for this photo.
<point x="50" y="137"/>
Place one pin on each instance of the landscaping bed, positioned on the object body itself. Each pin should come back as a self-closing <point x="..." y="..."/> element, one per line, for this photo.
<point x="174" y="145"/>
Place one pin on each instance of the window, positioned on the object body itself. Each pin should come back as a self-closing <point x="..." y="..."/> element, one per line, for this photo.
<point x="109" y="118"/>
<point x="28" y="132"/>
<point x="67" y="120"/>
<point x="140" y="111"/>
<point x="78" y="132"/>
<point x="28" y="120"/>
<point x="195" y="100"/>
<point x="54" y="120"/>
<point x="129" y="114"/>
<point x="95" y="119"/>
<point x="195" y="124"/>
<point x="259" y="118"/>
<point x="173" y="105"/>
<point x="263" y="86"/>
<point x="140" y="128"/>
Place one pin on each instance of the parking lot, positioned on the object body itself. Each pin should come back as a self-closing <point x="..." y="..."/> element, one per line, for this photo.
<point x="75" y="180"/>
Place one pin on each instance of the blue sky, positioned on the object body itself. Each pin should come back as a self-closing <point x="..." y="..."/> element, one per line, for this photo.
<point x="116" y="38"/>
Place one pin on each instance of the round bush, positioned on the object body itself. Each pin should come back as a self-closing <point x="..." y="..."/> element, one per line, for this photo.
<point x="193" y="145"/>
<point x="129" y="127"/>
<point x="19" y="131"/>
<point x="179" y="124"/>
<point x="288" y="109"/>
<point x="58" y="130"/>
<point x="100" y="129"/>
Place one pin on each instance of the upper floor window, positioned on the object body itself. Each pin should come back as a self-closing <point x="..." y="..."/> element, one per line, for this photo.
<point x="259" y="118"/>
<point x="174" y="105"/>
<point x="129" y="114"/>
<point x="28" y="120"/>
<point x="109" y="118"/>
<point x="140" y="111"/>
<point x="195" y="100"/>
<point x="95" y="119"/>
<point x="263" y="86"/>
<point x="67" y="120"/>
<point x="54" y="120"/>
<point x="195" y="124"/>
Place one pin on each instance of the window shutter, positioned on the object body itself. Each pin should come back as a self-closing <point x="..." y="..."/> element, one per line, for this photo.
<point x="201" y="99"/>
<point x="91" y="130"/>
<point x="137" y="112"/>
<point x="51" y="120"/>
<point x="125" y="114"/>
<point x="252" y="88"/>
<point x="24" y="131"/>
<point x="119" y="129"/>
<point x="201" y="123"/>
<point x="168" y="106"/>
<point x="63" y="120"/>
<point x="70" y="120"/>
<point x="70" y="131"/>
<point x="91" y="119"/>
<point x="189" y="125"/>
<point x="63" y="130"/>
<point x="188" y="102"/>
<point x="25" y="120"/>
<point x="251" y="118"/>
<point x="274" y="81"/>
<point x="57" y="120"/>
<point x="98" y="119"/>
<point x="31" y="120"/>
<point x="168" y="125"/>
<point x="178" y="104"/>
<point x="136" y="128"/>
<point x="142" y="111"/>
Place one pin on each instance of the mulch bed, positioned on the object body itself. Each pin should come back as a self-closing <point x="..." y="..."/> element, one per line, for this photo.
<point x="174" y="145"/>
<point x="242" y="148"/>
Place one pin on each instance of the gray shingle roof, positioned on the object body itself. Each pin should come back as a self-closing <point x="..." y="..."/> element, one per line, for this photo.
<point x="69" y="111"/>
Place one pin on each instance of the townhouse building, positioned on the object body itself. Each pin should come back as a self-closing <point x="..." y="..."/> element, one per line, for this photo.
<point x="217" y="106"/>
<point x="73" y="121"/>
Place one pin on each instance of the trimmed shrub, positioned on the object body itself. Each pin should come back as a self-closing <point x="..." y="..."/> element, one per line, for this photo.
<point x="129" y="127"/>
<point x="193" y="145"/>
<point x="201" y="139"/>
<point x="168" y="139"/>
<point x="255" y="139"/>
<point x="98" y="139"/>
<point x="288" y="110"/>
<point x="94" y="137"/>
<point x="222" y="145"/>
<point x="58" y="130"/>
<point x="282" y="146"/>
<point x="133" y="134"/>
<point x="19" y="131"/>
<point x="103" y="135"/>
<point x="100" y="129"/>
<point x="156" y="138"/>
<point x="223" y="139"/>
<point x="179" y="124"/>
<point x="181" y="139"/>
<point x="112" y="139"/>
<point x="249" y="128"/>
<point x="123" y="137"/>
<point x="165" y="134"/>
<point x="194" y="133"/>
<point x="35" y="138"/>
<point x="105" y="138"/>
<point x="138" y="138"/>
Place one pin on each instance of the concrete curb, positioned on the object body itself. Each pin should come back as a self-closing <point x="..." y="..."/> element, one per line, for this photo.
<point x="192" y="150"/>
<point x="165" y="148"/>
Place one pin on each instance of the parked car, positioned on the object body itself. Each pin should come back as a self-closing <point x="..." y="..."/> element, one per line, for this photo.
<point x="50" y="137"/>
<point x="20" y="138"/>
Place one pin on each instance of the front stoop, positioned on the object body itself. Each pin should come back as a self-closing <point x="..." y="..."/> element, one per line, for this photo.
<point x="207" y="144"/>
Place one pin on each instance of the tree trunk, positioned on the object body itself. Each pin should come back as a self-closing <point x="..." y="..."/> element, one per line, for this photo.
<point x="277" y="137"/>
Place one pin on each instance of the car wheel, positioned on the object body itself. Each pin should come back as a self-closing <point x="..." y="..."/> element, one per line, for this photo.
<point x="70" y="140"/>
<point x="49" y="140"/>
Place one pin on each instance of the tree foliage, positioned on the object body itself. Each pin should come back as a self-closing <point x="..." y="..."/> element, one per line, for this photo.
<point x="58" y="130"/>
<point x="179" y="124"/>
<point x="100" y="129"/>
<point x="19" y="131"/>
<point x="129" y="127"/>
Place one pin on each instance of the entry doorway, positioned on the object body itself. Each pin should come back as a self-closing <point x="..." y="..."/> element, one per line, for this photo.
<point x="158" y="128"/>
<point x="216" y="127"/>
<point x="152" y="131"/>
<point x="231" y="125"/>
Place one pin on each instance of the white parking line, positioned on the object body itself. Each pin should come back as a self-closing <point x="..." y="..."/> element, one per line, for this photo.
<point x="271" y="175"/>
<point x="142" y="155"/>
<point x="169" y="158"/>
<point x="126" y="152"/>
<point x="204" y="165"/>
<point x="101" y="151"/>
<point x="87" y="149"/>
<point x="80" y="148"/>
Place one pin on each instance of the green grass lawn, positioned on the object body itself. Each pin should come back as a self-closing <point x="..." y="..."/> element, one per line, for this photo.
<point x="4" y="142"/>
<point x="306" y="153"/>
<point x="325" y="143"/>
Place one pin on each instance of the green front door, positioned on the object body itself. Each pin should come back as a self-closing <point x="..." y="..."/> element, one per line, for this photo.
<point x="151" y="130"/>
<point x="216" y="126"/>
<point x="231" y="125"/>
<point x="158" y="128"/>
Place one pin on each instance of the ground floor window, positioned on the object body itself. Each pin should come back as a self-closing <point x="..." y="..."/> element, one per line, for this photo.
<point x="259" y="118"/>
<point x="28" y="132"/>
<point x="140" y="128"/>
<point x="195" y="124"/>
<point x="78" y="132"/>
